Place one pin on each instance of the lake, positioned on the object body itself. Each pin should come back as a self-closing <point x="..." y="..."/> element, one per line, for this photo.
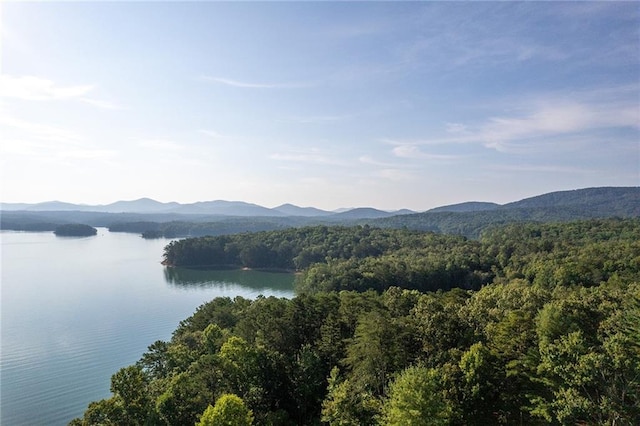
<point x="75" y="310"/>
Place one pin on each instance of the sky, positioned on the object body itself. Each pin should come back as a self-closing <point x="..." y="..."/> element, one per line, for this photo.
<point x="327" y="104"/>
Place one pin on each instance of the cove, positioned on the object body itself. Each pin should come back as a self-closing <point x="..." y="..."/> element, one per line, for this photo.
<point x="75" y="310"/>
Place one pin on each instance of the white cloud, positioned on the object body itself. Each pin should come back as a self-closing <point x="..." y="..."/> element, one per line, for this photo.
<point x="30" y="88"/>
<point x="501" y="50"/>
<point x="40" y="131"/>
<point x="160" y="144"/>
<point x="302" y="158"/>
<point x="456" y="128"/>
<point x="413" y="151"/>
<point x="313" y="156"/>
<point x="22" y="147"/>
<point x="39" y="89"/>
<point x="252" y="85"/>
<point x="558" y="117"/>
<point x="88" y="154"/>
<point x="46" y="143"/>
<point x="211" y="133"/>
<point x="101" y="104"/>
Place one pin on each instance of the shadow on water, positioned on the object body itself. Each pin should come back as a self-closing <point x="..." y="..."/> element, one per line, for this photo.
<point x="203" y="278"/>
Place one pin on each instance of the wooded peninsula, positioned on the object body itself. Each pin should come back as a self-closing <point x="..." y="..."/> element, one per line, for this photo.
<point x="75" y="230"/>
<point x="529" y="324"/>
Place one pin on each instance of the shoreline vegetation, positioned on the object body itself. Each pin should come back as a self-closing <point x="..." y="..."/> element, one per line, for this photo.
<point x="216" y="267"/>
<point x="530" y="324"/>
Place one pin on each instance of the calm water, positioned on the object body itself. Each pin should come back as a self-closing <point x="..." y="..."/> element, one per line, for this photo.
<point x="75" y="310"/>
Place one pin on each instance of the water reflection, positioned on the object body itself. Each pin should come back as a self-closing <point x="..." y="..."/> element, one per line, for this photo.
<point x="255" y="280"/>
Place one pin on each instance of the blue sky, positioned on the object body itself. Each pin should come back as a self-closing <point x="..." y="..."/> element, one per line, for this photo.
<point x="389" y="105"/>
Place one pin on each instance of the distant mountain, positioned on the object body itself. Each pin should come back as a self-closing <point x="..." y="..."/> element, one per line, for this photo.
<point x="209" y="208"/>
<point x="14" y="206"/>
<point x="42" y="207"/>
<point x="600" y="198"/>
<point x="146" y="205"/>
<point x="149" y="206"/>
<point x="362" y="213"/>
<point x="292" y="210"/>
<point x="559" y="206"/>
<point x="403" y="211"/>
<point x="469" y="206"/>
<point x="229" y="208"/>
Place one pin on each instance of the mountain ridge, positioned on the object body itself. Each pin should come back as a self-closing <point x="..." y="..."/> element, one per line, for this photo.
<point x="216" y="207"/>
<point x="599" y="197"/>
<point x="559" y="206"/>
<point x="467" y="219"/>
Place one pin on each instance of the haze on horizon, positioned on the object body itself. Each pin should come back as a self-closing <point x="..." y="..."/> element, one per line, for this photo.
<point x="325" y="104"/>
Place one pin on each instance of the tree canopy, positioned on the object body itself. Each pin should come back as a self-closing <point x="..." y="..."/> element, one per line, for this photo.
<point x="552" y="336"/>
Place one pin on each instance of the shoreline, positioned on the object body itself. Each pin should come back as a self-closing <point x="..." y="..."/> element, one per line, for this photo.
<point x="232" y="268"/>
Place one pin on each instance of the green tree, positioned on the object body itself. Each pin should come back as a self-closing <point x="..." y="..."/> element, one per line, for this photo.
<point x="106" y="412"/>
<point x="186" y="397"/>
<point x="348" y="404"/>
<point x="155" y="362"/>
<point x="129" y="385"/>
<point x="376" y="351"/>
<point x="416" y="399"/>
<point x="212" y="338"/>
<point x="239" y="361"/>
<point x="589" y="358"/>
<point x="229" y="410"/>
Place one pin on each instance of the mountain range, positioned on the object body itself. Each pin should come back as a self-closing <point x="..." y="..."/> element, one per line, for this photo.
<point x="218" y="207"/>
<point x="589" y="197"/>
<point x="227" y="217"/>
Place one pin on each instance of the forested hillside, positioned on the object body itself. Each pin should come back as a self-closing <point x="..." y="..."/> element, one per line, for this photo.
<point x="552" y="338"/>
<point x="562" y="206"/>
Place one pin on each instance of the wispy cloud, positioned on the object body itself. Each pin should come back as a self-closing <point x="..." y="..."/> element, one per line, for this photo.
<point x="313" y="156"/>
<point x="414" y="152"/>
<point x="40" y="131"/>
<point x="39" y="89"/>
<point x="23" y="147"/>
<point x="101" y="104"/>
<point x="554" y="117"/>
<point x="507" y="34"/>
<point x="160" y="144"/>
<point x="366" y="159"/>
<point x="88" y="154"/>
<point x="47" y="143"/>
<point x="30" y="88"/>
<point x="211" y="133"/>
<point x="502" y="50"/>
<point x="253" y="85"/>
<point x="557" y="119"/>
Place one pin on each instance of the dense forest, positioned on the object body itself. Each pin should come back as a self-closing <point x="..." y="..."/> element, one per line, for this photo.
<point x="346" y="258"/>
<point x="541" y="326"/>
